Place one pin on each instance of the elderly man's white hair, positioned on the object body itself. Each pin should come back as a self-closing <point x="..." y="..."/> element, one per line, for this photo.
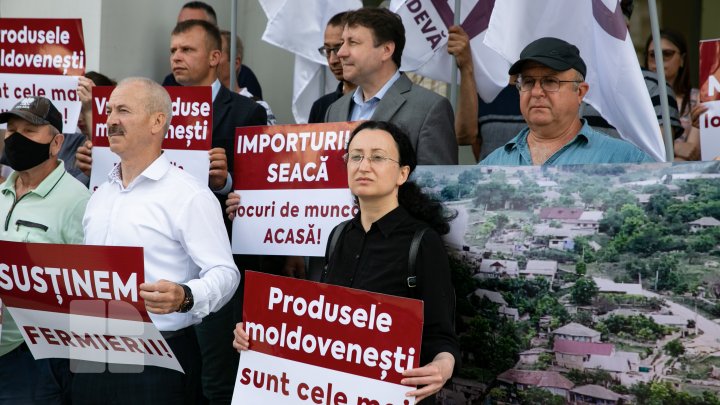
<point x="157" y="100"/>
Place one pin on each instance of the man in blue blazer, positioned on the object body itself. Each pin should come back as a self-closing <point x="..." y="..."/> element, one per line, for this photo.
<point x="373" y="42"/>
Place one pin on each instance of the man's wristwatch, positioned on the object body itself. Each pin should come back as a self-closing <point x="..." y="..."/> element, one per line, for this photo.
<point x="188" y="301"/>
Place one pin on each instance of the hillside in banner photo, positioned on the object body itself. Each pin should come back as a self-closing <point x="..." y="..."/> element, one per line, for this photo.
<point x="584" y="283"/>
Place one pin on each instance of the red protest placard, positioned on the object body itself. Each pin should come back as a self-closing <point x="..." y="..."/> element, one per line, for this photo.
<point x="42" y="46"/>
<point x="710" y="70"/>
<point x="40" y="58"/>
<point x="40" y="276"/>
<point x="191" y="125"/>
<point x="293" y="186"/>
<point x="100" y="96"/>
<point x="81" y="302"/>
<point x="709" y="121"/>
<point x="302" y="156"/>
<point x="325" y="341"/>
<point x="186" y="143"/>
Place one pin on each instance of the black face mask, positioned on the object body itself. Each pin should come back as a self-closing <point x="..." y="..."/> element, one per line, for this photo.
<point x="22" y="153"/>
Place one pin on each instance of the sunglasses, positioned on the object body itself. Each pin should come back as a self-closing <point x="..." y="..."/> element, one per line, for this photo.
<point x="666" y="53"/>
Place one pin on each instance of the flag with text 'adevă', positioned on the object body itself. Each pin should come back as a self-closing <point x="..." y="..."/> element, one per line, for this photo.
<point x="426" y="31"/>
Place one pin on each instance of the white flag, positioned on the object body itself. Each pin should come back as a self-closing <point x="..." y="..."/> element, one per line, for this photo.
<point x="597" y="28"/>
<point x="272" y="7"/>
<point x="426" y="23"/>
<point x="299" y="26"/>
<point x="311" y="81"/>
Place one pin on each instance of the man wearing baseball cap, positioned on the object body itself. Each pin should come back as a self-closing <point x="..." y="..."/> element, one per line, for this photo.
<point x="39" y="203"/>
<point x="551" y="81"/>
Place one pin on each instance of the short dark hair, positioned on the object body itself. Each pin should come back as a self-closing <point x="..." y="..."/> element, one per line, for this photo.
<point x="100" y="79"/>
<point x="199" y="5"/>
<point x="338" y="19"/>
<point x="238" y="43"/>
<point x="385" y="25"/>
<point x="406" y="152"/>
<point x="212" y="32"/>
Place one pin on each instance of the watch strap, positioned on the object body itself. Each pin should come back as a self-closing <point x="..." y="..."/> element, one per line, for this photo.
<point x="188" y="301"/>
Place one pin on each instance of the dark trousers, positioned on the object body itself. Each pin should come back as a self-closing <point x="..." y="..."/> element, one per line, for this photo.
<point x="24" y="380"/>
<point x="314" y="267"/>
<point x="100" y="383"/>
<point x="215" y="334"/>
<point x="219" y="358"/>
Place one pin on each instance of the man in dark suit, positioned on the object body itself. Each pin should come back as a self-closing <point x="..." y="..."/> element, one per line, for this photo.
<point x="373" y="41"/>
<point x="195" y="52"/>
<point x="198" y="10"/>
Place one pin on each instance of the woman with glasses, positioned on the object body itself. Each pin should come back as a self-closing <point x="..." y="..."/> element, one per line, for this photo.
<point x="676" y="65"/>
<point x="372" y="251"/>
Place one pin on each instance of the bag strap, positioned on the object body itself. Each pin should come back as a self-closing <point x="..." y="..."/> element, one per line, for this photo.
<point x="333" y="244"/>
<point x="412" y="254"/>
<point x="412" y="279"/>
<point x="412" y="257"/>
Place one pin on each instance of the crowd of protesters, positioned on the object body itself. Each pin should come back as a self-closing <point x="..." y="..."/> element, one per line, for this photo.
<point x="193" y="285"/>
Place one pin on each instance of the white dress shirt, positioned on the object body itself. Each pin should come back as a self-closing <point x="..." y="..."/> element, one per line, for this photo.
<point x="178" y="222"/>
<point x="215" y="89"/>
<point x="364" y="110"/>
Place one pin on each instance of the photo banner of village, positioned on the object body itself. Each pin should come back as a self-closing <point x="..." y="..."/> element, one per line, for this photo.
<point x="587" y="284"/>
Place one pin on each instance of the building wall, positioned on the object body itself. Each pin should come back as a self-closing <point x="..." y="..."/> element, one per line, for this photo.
<point x="132" y="37"/>
<point x="577" y="399"/>
<point x="569" y="360"/>
<point x="556" y="391"/>
<point x="578" y="338"/>
<point x="708" y="20"/>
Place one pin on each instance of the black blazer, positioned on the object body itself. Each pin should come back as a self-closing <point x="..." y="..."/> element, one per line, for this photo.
<point x="231" y="110"/>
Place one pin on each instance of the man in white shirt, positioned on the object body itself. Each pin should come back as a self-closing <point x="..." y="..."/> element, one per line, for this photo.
<point x="189" y="270"/>
<point x="195" y="54"/>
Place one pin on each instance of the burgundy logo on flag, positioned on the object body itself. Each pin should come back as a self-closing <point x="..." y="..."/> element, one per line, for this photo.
<point x="611" y="22"/>
<point x="475" y="22"/>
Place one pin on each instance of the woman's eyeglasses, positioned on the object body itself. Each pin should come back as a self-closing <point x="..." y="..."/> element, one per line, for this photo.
<point x="375" y="160"/>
